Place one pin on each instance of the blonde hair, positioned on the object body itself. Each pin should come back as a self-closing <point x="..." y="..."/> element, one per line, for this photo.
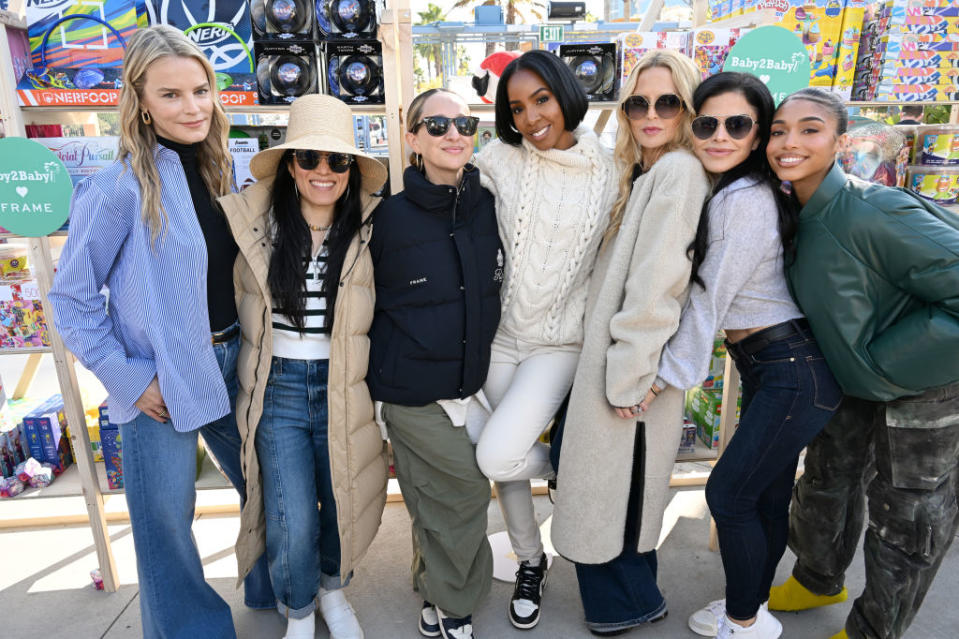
<point x="138" y="140"/>
<point x="414" y="114"/>
<point x="686" y="77"/>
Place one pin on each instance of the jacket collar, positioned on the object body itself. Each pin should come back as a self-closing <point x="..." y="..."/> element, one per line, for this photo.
<point x="833" y="183"/>
<point x="439" y="198"/>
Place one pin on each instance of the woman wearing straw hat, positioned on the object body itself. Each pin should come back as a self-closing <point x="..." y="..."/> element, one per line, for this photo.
<point x="304" y="283"/>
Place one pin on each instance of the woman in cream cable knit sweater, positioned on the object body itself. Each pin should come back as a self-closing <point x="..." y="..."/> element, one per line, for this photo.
<point x="554" y="186"/>
<point x="615" y="464"/>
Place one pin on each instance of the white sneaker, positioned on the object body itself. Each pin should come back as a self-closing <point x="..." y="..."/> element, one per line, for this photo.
<point x="705" y="621"/>
<point x="765" y="627"/>
<point x="455" y="627"/>
<point x="339" y="615"/>
<point x="304" y="628"/>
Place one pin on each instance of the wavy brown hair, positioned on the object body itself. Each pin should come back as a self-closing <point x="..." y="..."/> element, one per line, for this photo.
<point x="138" y="140"/>
<point x="627" y="152"/>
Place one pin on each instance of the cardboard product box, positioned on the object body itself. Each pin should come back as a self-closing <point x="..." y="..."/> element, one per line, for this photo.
<point x="13" y="261"/>
<point x="112" y="454"/>
<point x="23" y="322"/>
<point x="850" y="35"/>
<point x="687" y="445"/>
<point x="704" y="409"/>
<point x="717" y="364"/>
<point x="709" y="48"/>
<point x="293" y="20"/>
<point x="819" y="24"/>
<point x="594" y="66"/>
<point x="285" y="70"/>
<point x="224" y="32"/>
<point x="83" y="156"/>
<point x="354" y="71"/>
<point x="634" y="44"/>
<point x="47" y="425"/>
<point x="82" y="41"/>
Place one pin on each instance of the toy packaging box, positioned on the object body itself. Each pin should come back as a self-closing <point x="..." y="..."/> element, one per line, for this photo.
<point x="936" y="184"/>
<point x="112" y="448"/>
<point x="717" y="364"/>
<point x="633" y="45"/>
<point x="23" y="322"/>
<point x="286" y="20"/>
<point x="285" y="70"/>
<point x="48" y="435"/>
<point x="83" y="156"/>
<point x="704" y="408"/>
<point x="594" y="66"/>
<point x="224" y="32"/>
<point x="709" y="48"/>
<point x="354" y="71"/>
<point x="76" y="49"/>
<point x="336" y="19"/>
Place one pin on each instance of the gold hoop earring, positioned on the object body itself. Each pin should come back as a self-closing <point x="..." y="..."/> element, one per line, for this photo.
<point x="145" y="116"/>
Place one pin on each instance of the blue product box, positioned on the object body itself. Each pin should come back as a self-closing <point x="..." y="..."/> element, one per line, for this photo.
<point x="112" y="448"/>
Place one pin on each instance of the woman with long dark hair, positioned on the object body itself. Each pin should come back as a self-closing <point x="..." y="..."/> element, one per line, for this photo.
<point x="165" y="344"/>
<point x="305" y="297"/>
<point x="877" y="273"/>
<point x="745" y="233"/>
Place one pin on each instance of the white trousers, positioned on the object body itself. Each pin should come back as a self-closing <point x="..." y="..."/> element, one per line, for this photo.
<point x="525" y="386"/>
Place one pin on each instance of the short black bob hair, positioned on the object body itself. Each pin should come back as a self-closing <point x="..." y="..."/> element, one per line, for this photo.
<point x="560" y="81"/>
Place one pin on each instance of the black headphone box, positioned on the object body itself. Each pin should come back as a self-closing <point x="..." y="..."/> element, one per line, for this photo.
<point x="337" y="19"/>
<point x="282" y="19"/>
<point x="354" y="71"/>
<point x="594" y="65"/>
<point x="285" y="70"/>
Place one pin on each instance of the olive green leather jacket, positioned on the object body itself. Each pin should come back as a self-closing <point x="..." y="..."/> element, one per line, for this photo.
<point x="877" y="274"/>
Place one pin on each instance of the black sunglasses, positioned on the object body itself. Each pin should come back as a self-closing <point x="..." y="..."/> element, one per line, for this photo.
<point x="667" y="106"/>
<point x="737" y="126"/>
<point x="309" y="160"/>
<point x="438" y="125"/>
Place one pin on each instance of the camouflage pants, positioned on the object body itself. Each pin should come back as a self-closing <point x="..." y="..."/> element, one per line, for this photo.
<point x="903" y="455"/>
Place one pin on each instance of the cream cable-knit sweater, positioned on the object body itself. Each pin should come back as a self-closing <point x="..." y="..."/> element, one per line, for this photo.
<point x="553" y="208"/>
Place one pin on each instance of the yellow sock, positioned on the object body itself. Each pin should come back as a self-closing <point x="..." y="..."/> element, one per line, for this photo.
<point x="793" y="596"/>
<point x="840" y="635"/>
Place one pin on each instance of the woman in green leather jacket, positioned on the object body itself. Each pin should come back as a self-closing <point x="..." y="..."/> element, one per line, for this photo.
<point x="877" y="274"/>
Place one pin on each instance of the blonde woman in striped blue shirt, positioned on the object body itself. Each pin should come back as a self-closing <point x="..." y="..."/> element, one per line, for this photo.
<point x="305" y="296"/>
<point x="147" y="228"/>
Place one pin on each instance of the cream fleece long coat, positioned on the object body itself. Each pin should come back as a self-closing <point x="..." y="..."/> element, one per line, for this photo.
<point x="357" y="451"/>
<point x="637" y="292"/>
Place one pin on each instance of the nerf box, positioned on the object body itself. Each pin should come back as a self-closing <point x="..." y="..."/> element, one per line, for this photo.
<point x="633" y="45"/>
<point x="82" y="34"/>
<point x="23" y="322"/>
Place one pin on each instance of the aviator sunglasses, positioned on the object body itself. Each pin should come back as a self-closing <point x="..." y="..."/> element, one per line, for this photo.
<point x="438" y="125"/>
<point x="737" y="126"/>
<point x="309" y="160"/>
<point x="667" y="106"/>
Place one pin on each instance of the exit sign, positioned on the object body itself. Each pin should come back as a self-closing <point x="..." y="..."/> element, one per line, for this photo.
<point x="550" y="33"/>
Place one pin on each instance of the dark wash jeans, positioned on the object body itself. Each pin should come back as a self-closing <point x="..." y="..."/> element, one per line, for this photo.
<point x="789" y="394"/>
<point x="622" y="592"/>
<point x="903" y="454"/>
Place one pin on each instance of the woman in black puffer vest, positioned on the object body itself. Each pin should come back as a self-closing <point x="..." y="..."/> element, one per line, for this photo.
<point x="438" y="264"/>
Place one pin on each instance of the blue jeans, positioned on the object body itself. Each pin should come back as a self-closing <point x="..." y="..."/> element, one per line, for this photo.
<point x="159" y="468"/>
<point x="621" y="593"/>
<point x="788" y="396"/>
<point x="302" y="542"/>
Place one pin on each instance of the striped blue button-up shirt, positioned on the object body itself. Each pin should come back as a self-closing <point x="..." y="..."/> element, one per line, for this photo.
<point x="157" y="324"/>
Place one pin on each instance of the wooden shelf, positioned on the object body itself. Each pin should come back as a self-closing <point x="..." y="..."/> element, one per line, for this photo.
<point x="361" y="109"/>
<point x="28" y="350"/>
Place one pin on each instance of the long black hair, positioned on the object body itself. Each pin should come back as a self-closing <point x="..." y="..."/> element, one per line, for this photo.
<point x="292" y="244"/>
<point x="755" y="166"/>
<point x="561" y="82"/>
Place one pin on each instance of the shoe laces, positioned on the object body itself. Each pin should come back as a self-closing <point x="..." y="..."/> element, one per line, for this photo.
<point x="528" y="579"/>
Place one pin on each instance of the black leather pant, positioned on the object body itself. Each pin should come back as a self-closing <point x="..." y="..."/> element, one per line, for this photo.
<point x="903" y="455"/>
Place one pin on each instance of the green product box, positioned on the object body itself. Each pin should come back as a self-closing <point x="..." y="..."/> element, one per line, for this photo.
<point x="704" y="408"/>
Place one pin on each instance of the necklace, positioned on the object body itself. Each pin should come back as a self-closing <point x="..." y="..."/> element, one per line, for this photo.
<point x="319" y="229"/>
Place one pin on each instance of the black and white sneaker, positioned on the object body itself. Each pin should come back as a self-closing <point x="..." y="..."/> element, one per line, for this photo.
<point x="455" y="627"/>
<point x="524" y="606"/>
<point x="429" y="621"/>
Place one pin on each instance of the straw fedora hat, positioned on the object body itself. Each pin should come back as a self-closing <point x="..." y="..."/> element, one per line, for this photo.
<point x="320" y="123"/>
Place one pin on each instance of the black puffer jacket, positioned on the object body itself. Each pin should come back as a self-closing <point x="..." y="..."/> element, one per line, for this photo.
<point x="438" y="262"/>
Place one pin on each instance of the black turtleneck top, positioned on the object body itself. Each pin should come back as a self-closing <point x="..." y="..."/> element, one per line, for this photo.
<point x="221" y="248"/>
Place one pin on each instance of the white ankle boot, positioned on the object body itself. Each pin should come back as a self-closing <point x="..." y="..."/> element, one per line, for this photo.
<point x="339" y="615"/>
<point x="304" y="628"/>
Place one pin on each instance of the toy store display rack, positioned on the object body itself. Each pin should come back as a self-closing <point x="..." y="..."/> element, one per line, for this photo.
<point x="395" y="34"/>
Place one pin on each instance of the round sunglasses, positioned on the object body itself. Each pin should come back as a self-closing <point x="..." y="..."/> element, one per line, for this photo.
<point x="309" y="160"/>
<point x="438" y="125"/>
<point x="737" y="126"/>
<point x="667" y="106"/>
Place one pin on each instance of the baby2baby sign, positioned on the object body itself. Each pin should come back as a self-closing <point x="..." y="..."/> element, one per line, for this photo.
<point x="35" y="188"/>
